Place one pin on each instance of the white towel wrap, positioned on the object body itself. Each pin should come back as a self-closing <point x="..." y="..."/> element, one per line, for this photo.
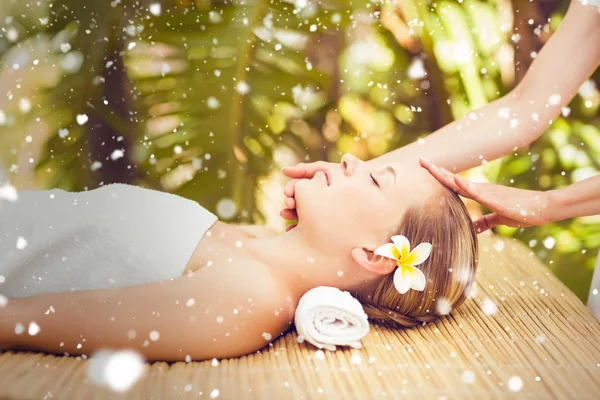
<point x="327" y="316"/>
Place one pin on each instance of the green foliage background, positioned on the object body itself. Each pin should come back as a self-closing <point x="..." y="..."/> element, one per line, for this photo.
<point x="207" y="99"/>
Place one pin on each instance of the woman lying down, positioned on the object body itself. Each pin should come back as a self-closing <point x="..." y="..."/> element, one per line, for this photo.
<point x="126" y="267"/>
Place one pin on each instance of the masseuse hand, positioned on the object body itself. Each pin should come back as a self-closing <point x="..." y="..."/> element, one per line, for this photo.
<point x="512" y="207"/>
<point x="297" y="172"/>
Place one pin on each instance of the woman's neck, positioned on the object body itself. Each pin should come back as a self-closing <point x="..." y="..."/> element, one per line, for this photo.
<point x="300" y="266"/>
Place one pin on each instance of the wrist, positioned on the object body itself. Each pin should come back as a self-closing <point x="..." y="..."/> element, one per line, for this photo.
<point x="7" y="328"/>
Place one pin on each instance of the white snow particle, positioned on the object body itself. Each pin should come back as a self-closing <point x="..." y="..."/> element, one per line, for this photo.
<point x="63" y="133"/>
<point x="213" y="103"/>
<point x="515" y="384"/>
<point x="155" y="9"/>
<point x="3" y="301"/>
<point x="34" y="328"/>
<point x="96" y="165"/>
<point x="319" y="355"/>
<point x="504" y="112"/>
<point x="154" y="336"/>
<point x="19" y="328"/>
<point x="219" y="319"/>
<point x="499" y="245"/>
<point x="416" y="70"/>
<point x="190" y="302"/>
<point x="188" y="388"/>
<point x="65" y="47"/>
<point x="242" y="87"/>
<point x="468" y="377"/>
<point x="118" y="370"/>
<point x="226" y="208"/>
<point x="118" y="153"/>
<point x="356" y="359"/>
<point x="489" y="307"/>
<point x="215" y="362"/>
<point x="554" y="99"/>
<point x="266" y="336"/>
<point x="549" y="242"/>
<point x="540" y="339"/>
<point x="72" y="61"/>
<point x="8" y="192"/>
<point x="443" y="306"/>
<point x="21" y="243"/>
<point x="82" y="119"/>
<point x="25" y="105"/>
<point x="12" y="35"/>
<point x="214" y="394"/>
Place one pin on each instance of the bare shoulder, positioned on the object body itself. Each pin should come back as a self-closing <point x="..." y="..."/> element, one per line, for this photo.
<point x="256" y="230"/>
<point x="242" y="310"/>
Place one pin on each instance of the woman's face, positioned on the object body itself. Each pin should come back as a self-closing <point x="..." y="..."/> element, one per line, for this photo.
<point x="358" y="204"/>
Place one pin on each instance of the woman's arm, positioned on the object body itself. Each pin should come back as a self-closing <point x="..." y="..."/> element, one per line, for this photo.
<point x="577" y="200"/>
<point x="229" y="316"/>
<point x="517" y="119"/>
<point x="520" y="207"/>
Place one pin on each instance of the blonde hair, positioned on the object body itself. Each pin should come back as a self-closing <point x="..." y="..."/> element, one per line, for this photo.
<point x="450" y="270"/>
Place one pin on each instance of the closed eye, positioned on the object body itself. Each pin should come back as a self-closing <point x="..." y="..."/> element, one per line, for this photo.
<point x="373" y="179"/>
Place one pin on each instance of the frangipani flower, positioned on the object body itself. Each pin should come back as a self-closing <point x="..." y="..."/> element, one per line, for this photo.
<point x="406" y="276"/>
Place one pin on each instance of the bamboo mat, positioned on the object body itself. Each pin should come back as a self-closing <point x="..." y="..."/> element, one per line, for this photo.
<point x="542" y="342"/>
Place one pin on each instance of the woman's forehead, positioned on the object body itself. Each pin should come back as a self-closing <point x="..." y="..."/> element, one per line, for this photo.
<point x="413" y="183"/>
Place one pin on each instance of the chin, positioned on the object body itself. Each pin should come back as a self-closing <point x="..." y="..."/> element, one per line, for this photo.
<point x="309" y="200"/>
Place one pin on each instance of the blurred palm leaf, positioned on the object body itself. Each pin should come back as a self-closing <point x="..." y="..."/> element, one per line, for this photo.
<point x="218" y="89"/>
<point x="206" y="93"/>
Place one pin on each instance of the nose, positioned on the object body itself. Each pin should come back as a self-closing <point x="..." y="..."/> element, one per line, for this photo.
<point x="349" y="164"/>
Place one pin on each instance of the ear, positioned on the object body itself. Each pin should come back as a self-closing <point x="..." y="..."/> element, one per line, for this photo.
<point x="372" y="262"/>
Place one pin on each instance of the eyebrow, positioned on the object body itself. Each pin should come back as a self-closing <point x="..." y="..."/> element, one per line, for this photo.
<point x="393" y="171"/>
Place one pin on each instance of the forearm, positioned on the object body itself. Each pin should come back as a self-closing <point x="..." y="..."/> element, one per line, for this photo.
<point x="215" y="312"/>
<point x="466" y="142"/>
<point x="82" y="322"/>
<point x="521" y="116"/>
<point x="577" y="200"/>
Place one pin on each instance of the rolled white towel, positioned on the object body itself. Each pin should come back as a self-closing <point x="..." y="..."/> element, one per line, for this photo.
<point x="327" y="316"/>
